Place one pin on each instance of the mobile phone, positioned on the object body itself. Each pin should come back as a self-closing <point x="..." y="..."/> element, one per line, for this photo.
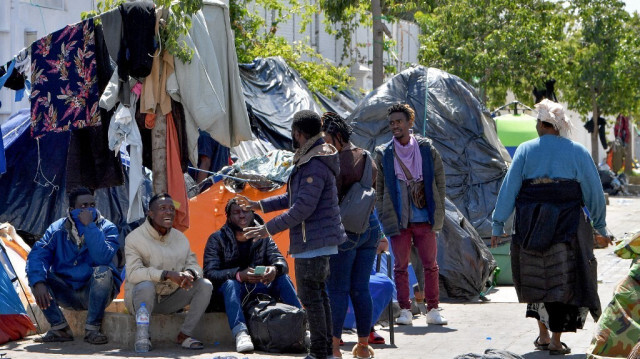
<point x="259" y="270"/>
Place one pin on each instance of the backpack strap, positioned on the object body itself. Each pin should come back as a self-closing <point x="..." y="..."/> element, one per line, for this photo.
<point x="404" y="168"/>
<point x="367" y="175"/>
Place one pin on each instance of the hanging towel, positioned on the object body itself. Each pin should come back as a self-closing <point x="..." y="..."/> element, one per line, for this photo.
<point x="175" y="179"/>
<point x="64" y="78"/>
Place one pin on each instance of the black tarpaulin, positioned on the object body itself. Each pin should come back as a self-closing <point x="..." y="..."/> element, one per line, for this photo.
<point x="464" y="261"/>
<point x="274" y="93"/>
<point x="458" y="124"/>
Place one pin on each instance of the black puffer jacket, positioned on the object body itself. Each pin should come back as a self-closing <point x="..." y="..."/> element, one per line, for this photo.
<point x="221" y="255"/>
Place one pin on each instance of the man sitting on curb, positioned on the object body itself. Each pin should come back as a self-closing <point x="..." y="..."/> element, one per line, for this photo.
<point x="229" y="262"/>
<point x="163" y="272"/>
<point x="72" y="266"/>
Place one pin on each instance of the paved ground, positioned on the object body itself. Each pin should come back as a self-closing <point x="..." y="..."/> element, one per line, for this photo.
<point x="473" y="327"/>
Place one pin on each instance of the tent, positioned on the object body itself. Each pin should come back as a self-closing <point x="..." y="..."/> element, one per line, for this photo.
<point x="14" y="321"/>
<point x="34" y="185"/>
<point x="450" y="113"/>
<point x="274" y="92"/>
<point x="514" y="129"/>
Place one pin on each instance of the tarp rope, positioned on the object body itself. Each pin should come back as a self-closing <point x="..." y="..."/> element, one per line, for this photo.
<point x="47" y="183"/>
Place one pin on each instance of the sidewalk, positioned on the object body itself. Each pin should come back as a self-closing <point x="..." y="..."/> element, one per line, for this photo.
<point x="473" y="327"/>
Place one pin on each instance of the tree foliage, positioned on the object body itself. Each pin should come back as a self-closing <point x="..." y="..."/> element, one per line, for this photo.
<point x="255" y="37"/>
<point x="496" y="45"/>
<point x="603" y="61"/>
<point x="176" y="25"/>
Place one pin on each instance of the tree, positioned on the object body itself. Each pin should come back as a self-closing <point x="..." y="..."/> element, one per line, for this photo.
<point x="350" y="13"/>
<point x="600" y="79"/>
<point x="498" y="46"/>
<point x="255" y="39"/>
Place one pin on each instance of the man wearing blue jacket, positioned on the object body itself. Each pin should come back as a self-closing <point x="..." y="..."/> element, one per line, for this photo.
<point x="72" y="266"/>
<point x="313" y="218"/>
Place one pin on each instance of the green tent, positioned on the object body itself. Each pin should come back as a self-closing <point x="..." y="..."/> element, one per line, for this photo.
<point x="513" y="129"/>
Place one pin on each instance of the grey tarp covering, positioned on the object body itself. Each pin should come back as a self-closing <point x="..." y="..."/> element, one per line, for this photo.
<point x="461" y="129"/>
<point x="274" y="92"/>
<point x="464" y="260"/>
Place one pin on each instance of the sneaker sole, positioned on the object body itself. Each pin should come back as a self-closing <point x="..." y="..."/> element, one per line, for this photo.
<point x="245" y="349"/>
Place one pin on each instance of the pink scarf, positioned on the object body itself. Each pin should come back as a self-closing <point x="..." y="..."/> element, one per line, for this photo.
<point x="410" y="156"/>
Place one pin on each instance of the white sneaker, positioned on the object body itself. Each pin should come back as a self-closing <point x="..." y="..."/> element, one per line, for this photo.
<point x="405" y="318"/>
<point x="243" y="342"/>
<point x="434" y="317"/>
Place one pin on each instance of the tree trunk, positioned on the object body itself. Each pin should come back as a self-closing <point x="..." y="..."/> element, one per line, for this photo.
<point x="595" y="146"/>
<point x="628" y="151"/>
<point x="378" y="43"/>
<point x="159" y="153"/>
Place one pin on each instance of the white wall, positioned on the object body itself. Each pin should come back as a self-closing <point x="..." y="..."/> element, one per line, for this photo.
<point x="16" y="16"/>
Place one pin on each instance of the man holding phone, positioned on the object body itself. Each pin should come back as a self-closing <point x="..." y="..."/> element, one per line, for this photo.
<point x="239" y="267"/>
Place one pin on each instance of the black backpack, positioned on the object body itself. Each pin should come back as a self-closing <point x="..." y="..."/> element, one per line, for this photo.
<point x="275" y="327"/>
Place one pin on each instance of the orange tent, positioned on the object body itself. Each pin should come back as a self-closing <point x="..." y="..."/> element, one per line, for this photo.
<point x="206" y="212"/>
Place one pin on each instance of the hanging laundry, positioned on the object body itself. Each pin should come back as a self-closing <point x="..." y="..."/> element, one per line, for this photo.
<point x="602" y="125"/>
<point x="154" y="87"/>
<point x="90" y="163"/>
<point x="621" y="129"/>
<point x="138" y="43"/>
<point x="65" y="90"/>
<point x="175" y="179"/>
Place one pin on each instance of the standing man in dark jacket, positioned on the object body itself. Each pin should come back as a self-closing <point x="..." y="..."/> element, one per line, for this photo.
<point x="410" y="191"/>
<point x="229" y="262"/>
<point x="72" y="266"/>
<point x="314" y="222"/>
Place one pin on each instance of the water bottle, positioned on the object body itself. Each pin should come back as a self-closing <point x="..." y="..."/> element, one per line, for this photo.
<point x="142" y="329"/>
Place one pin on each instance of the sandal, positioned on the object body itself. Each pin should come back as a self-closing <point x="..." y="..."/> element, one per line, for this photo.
<point x="190" y="343"/>
<point x="540" y="346"/>
<point x="95" y="337"/>
<point x="369" y="349"/>
<point x="375" y="338"/>
<point x="564" y="350"/>
<point x="56" y="336"/>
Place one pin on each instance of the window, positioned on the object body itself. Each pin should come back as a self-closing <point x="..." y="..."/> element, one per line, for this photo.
<point x="50" y="4"/>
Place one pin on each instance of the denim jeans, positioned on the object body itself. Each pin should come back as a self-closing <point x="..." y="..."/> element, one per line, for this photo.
<point x="350" y="271"/>
<point x="424" y="239"/>
<point x="94" y="297"/>
<point x="311" y="277"/>
<point x="233" y="294"/>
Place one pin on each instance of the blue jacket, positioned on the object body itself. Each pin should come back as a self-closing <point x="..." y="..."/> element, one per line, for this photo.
<point x="312" y="200"/>
<point x="56" y="252"/>
<point x="387" y="197"/>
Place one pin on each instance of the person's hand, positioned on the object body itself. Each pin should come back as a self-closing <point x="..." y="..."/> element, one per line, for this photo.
<point x="248" y="276"/>
<point x="85" y="217"/>
<point x="269" y="275"/>
<point x="246" y="204"/>
<point x="41" y="293"/>
<point x="183" y="279"/>
<point x="383" y="245"/>
<point x="602" y="241"/>
<point x="256" y="232"/>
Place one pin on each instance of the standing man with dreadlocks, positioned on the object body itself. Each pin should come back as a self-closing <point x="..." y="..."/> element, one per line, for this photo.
<point x="351" y="267"/>
<point x="229" y="262"/>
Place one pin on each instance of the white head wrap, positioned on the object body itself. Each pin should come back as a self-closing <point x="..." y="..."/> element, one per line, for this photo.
<point x="553" y="113"/>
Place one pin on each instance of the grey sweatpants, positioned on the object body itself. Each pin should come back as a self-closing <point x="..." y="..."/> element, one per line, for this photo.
<point x="197" y="298"/>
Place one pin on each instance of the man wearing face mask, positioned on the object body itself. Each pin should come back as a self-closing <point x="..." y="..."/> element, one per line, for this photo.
<point x="72" y="266"/>
<point x="229" y="262"/>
